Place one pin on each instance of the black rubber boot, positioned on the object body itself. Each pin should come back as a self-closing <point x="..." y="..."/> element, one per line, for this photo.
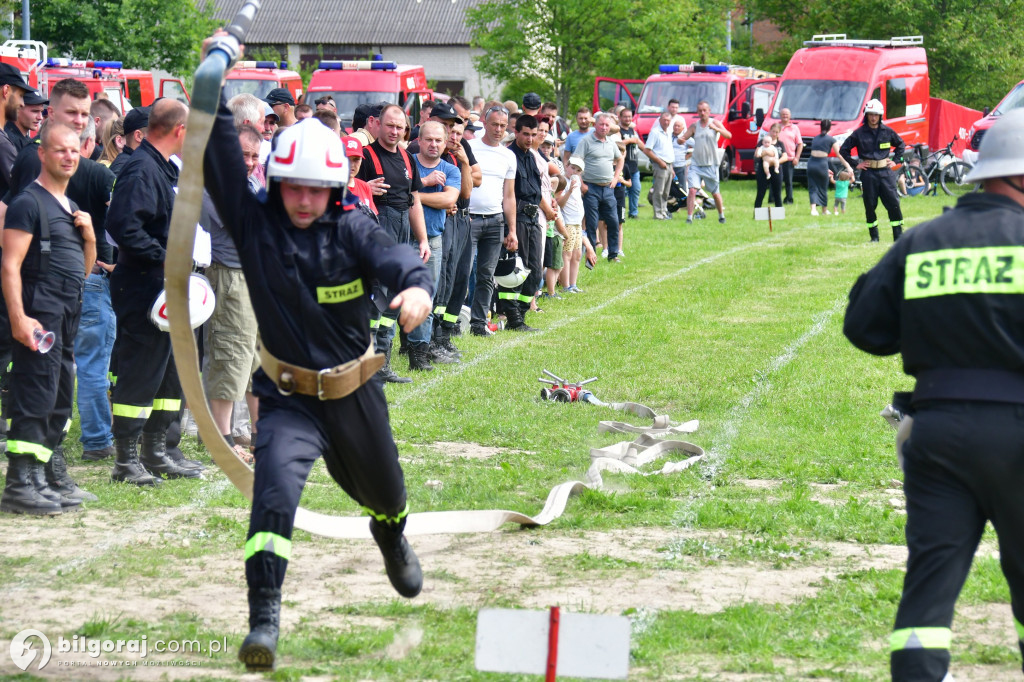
<point x="59" y="481"/>
<point x="127" y="467"/>
<point x="443" y="339"/>
<point x="419" y="358"/>
<point x="400" y="561"/>
<point x="260" y="645"/>
<point x="897" y="230"/>
<point x="39" y="476"/>
<point x="387" y="375"/>
<point x="178" y="457"/>
<point x="20" y="494"/>
<point x="873" y="232"/>
<point x="439" y="355"/>
<point x="154" y="458"/>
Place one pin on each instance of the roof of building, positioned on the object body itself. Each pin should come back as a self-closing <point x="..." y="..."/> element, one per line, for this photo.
<point x="366" y="22"/>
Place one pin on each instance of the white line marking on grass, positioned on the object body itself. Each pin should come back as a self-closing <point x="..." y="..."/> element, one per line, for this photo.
<point x="762" y="385"/>
<point x="503" y="346"/>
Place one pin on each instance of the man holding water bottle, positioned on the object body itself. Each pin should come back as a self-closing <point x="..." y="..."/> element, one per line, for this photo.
<point x="48" y="247"/>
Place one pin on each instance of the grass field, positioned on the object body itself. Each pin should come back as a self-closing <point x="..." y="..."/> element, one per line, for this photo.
<point x="778" y="557"/>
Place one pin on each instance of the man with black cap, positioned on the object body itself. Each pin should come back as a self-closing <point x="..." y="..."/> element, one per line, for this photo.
<point x="531" y="104"/>
<point x="136" y="122"/>
<point x="26" y="120"/>
<point x="281" y="100"/>
<point x="12" y="90"/>
<point x="366" y="123"/>
<point x="443" y="113"/>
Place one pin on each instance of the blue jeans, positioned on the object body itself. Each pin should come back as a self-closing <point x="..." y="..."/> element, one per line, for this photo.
<point x="599" y="201"/>
<point x="634" y="195"/>
<point x="487" y="233"/>
<point x="422" y="333"/>
<point x="93" y="345"/>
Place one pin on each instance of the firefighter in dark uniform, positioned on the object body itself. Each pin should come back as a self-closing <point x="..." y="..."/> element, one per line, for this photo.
<point x="49" y="246"/>
<point x="147" y="396"/>
<point x="950" y="297"/>
<point x="309" y="256"/>
<point x="515" y="303"/>
<point x="879" y="147"/>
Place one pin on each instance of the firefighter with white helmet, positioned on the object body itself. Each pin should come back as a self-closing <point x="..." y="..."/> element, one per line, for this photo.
<point x="309" y="256"/>
<point x="879" y="148"/>
<point x="949" y="296"/>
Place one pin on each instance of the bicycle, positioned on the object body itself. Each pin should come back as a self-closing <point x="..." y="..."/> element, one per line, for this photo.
<point x="931" y="172"/>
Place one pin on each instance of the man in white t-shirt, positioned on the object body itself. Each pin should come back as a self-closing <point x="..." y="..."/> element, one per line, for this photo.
<point x="492" y="210"/>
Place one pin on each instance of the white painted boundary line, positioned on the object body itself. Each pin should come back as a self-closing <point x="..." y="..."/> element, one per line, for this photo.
<point x="504" y="346"/>
<point x="762" y="385"/>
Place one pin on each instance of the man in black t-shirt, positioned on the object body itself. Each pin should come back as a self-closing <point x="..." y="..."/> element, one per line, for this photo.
<point x="395" y="181"/>
<point x="631" y="167"/>
<point x="49" y="245"/>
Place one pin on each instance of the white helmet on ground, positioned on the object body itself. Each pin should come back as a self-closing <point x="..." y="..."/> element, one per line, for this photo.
<point x="201" y="303"/>
<point x="309" y="153"/>
<point x="874" y="106"/>
<point x="510" y="271"/>
<point x="1002" y="149"/>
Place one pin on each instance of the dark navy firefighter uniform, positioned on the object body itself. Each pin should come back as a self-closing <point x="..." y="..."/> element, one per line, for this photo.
<point x="949" y="296"/>
<point x="310" y="292"/>
<point x="876" y="146"/>
<point x="515" y="302"/>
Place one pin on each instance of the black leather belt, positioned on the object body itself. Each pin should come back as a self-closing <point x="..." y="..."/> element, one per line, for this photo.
<point x="485" y="215"/>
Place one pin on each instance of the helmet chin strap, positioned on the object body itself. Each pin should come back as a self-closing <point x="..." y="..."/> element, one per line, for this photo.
<point x="1018" y="188"/>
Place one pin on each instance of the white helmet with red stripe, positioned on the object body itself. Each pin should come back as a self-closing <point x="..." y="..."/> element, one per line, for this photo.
<point x="309" y="153"/>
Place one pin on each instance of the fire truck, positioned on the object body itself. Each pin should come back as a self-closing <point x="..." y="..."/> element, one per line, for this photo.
<point x="1013" y="100"/>
<point x="259" y="78"/>
<point x="735" y="93"/>
<point x="351" y="83"/>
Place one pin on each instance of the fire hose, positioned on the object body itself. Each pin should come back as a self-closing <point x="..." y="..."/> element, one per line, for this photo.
<point x="623" y="457"/>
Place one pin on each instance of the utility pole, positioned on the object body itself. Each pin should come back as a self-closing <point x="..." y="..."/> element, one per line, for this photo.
<point x="26" y="20"/>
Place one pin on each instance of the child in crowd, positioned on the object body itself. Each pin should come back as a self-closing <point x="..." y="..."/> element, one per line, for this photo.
<point x="842" y="191"/>
<point x="769" y="156"/>
<point x="556" y="231"/>
<point x="570" y="203"/>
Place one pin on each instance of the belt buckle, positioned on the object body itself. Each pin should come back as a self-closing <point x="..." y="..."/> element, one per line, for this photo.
<point x="285" y="383"/>
<point x="320" y="383"/>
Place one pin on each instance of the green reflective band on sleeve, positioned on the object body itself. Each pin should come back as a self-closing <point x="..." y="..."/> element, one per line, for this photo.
<point x="523" y="298"/>
<point x="384" y="518"/>
<point x="1020" y="629"/>
<point x="340" y="293"/>
<point x="387" y="322"/>
<point x="984" y="270"/>
<point x="112" y="378"/>
<point x="268" y="542"/>
<point x="920" y="638"/>
<point x="448" y="317"/>
<point x="166" y="405"/>
<point x="132" y="411"/>
<point x="21" y="447"/>
<point x="374" y="323"/>
<point x="508" y="296"/>
<point x="8" y="424"/>
<point x="10" y="366"/>
<point x="439" y="309"/>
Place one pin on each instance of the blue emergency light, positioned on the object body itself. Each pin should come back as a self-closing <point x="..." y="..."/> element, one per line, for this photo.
<point x="693" y="68"/>
<point x="374" y="65"/>
<point x="260" y="65"/>
<point x="83" y="63"/>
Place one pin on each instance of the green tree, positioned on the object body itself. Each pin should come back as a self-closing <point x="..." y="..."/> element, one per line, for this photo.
<point x="557" y="47"/>
<point x="146" y="34"/>
<point x="973" y="47"/>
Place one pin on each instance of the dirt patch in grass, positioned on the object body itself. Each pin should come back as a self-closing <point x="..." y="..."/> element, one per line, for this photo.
<point x="466" y="450"/>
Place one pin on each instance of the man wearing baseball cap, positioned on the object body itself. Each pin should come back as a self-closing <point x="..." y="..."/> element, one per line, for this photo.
<point x="136" y="122"/>
<point x="283" y="104"/>
<point x="444" y="113"/>
<point x="531" y="103"/>
<point x="26" y="120"/>
<point x="13" y="88"/>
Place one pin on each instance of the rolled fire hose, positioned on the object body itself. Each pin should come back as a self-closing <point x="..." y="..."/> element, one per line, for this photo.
<point x="622" y="457"/>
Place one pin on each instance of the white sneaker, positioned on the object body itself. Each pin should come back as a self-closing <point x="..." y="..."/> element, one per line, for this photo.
<point x="604" y="254"/>
<point x="828" y="212"/>
<point x="621" y="253"/>
<point x="814" y="211"/>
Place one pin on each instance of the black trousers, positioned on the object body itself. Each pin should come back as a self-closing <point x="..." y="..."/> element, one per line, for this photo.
<point x="396" y="223"/>
<point x="42" y="386"/>
<point x="880" y="184"/>
<point x="457" y="259"/>
<point x="787" y="179"/>
<point x="772" y="186"/>
<point x="147" y="394"/>
<point x="354" y="437"/>
<point x="963" y="465"/>
<point x="6" y="342"/>
<point x="528" y="234"/>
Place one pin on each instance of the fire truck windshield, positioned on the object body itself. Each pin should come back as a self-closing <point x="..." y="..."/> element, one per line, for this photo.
<point x="654" y="99"/>
<point x="818" y="99"/>
<point x="237" y="86"/>
<point x="347" y="101"/>
<point x="1014" y="100"/>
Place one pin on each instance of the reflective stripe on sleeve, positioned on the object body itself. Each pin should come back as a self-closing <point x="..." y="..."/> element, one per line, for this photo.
<point x="22" y="447"/>
<point x="132" y="411"/>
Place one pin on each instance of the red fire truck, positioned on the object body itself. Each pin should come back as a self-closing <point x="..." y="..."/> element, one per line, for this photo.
<point x="735" y="94"/>
<point x="352" y="83"/>
<point x="1013" y="100"/>
<point x="259" y="78"/>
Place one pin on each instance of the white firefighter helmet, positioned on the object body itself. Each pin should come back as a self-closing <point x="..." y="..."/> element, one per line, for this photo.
<point x="874" y="106"/>
<point x="309" y="153"/>
<point x="201" y="302"/>
<point x="1002" y="149"/>
<point x="510" y="271"/>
